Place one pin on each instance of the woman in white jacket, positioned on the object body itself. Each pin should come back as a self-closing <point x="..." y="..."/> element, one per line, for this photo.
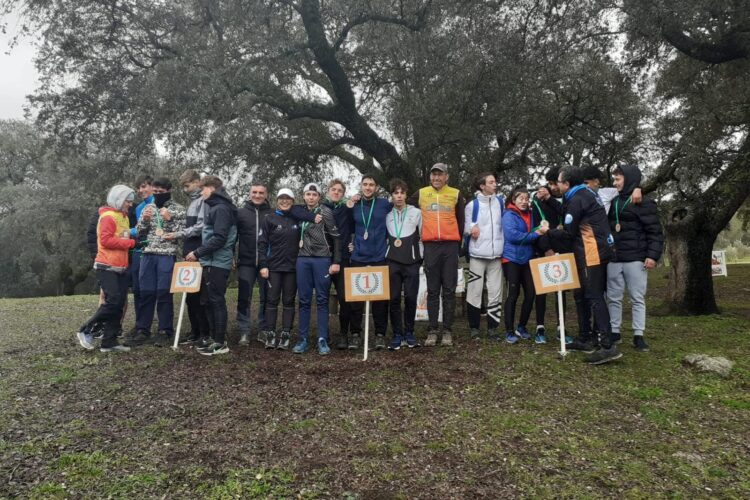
<point x="484" y="233"/>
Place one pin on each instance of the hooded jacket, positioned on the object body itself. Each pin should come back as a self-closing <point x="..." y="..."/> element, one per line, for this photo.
<point x="219" y="231"/>
<point x="640" y="236"/>
<point x="191" y="233"/>
<point x="249" y="223"/>
<point x="586" y="228"/>
<point x="519" y="238"/>
<point x="490" y="243"/>
<point x="113" y="232"/>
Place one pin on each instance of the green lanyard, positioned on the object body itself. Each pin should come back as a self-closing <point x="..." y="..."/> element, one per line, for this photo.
<point x="396" y="221"/>
<point x="369" y="217"/>
<point x="618" y="212"/>
<point x="539" y="209"/>
<point x="305" y="225"/>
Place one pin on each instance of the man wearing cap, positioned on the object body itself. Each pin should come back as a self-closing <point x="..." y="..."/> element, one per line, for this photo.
<point x="370" y="243"/>
<point x="442" y="226"/>
<point x="111" y="265"/>
<point x="319" y="259"/>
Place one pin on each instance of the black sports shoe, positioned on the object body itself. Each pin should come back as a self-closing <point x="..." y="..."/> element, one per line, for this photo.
<point x="190" y="339"/>
<point x="343" y="342"/>
<point x="163" y="339"/>
<point x="603" y="355"/>
<point x="354" y="341"/>
<point x="616" y="338"/>
<point x="380" y="342"/>
<point x="586" y="346"/>
<point x="204" y="342"/>
<point x="639" y="343"/>
<point x="141" y="337"/>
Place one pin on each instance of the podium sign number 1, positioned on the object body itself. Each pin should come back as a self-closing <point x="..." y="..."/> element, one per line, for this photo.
<point x="186" y="278"/>
<point x="364" y="284"/>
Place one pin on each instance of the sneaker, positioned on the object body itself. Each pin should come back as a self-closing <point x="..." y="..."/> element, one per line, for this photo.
<point x="214" y="348"/>
<point x="586" y="346"/>
<point x="115" y="348"/>
<point x="522" y="332"/>
<point x="244" y="339"/>
<point x="284" y="341"/>
<point x="447" y="339"/>
<point x="141" y="337"/>
<point x="162" y="339"/>
<point x="540" y="338"/>
<point x="190" y="339"/>
<point x="395" y="343"/>
<point x="354" y="342"/>
<point x="343" y="342"/>
<point x="475" y="334"/>
<point x="86" y="340"/>
<point x="639" y="343"/>
<point x="323" y="348"/>
<point x="379" y="342"/>
<point x="204" y="342"/>
<point x="411" y="340"/>
<point x="493" y="334"/>
<point x="262" y="337"/>
<point x="120" y="333"/>
<point x="97" y="331"/>
<point x="603" y="355"/>
<point x="301" y="346"/>
<point x="431" y="340"/>
<point x="270" y="340"/>
<point x="616" y="338"/>
<point x="511" y="337"/>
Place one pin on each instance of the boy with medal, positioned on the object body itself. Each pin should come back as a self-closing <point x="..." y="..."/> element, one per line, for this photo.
<point x="404" y="256"/>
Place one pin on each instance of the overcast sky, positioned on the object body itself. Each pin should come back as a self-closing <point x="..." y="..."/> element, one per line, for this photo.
<point x="18" y="77"/>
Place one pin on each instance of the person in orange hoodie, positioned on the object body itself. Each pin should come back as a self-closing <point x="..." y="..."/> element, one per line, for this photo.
<point x="111" y="264"/>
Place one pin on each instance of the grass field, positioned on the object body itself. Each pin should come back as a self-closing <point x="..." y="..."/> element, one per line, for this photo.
<point x="474" y="420"/>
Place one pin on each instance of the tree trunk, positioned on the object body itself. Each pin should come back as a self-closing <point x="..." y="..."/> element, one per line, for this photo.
<point x="691" y="287"/>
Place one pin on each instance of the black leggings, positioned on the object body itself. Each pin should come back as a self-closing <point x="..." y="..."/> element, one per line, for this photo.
<point x="281" y="282"/>
<point x="518" y="276"/>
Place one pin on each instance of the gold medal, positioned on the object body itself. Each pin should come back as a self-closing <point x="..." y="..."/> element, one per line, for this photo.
<point x="618" y="227"/>
<point x="365" y="235"/>
<point x="159" y="232"/>
<point x="397" y="242"/>
<point x="544" y="224"/>
<point x="560" y="226"/>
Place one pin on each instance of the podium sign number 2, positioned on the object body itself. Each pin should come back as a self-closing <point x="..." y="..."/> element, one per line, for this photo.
<point x="186" y="278"/>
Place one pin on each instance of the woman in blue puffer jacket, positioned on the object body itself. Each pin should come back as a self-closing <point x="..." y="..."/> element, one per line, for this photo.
<point x="519" y="238"/>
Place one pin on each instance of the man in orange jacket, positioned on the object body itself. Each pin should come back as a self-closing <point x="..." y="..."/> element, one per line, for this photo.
<point x="111" y="264"/>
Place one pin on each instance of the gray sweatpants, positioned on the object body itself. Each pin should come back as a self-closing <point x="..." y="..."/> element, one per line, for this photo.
<point x="635" y="277"/>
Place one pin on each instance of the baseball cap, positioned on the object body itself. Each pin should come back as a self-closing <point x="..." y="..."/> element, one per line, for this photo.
<point x="311" y="187"/>
<point x="285" y="192"/>
<point x="440" y="166"/>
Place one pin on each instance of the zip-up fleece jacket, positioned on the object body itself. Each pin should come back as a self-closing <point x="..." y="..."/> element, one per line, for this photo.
<point x="321" y="240"/>
<point x="553" y="213"/>
<point x="191" y="233"/>
<point x="278" y="243"/>
<point x="158" y="245"/>
<point x="219" y="231"/>
<point x="586" y="228"/>
<point x="640" y="235"/>
<point x="250" y="223"/>
<point x="344" y="221"/>
<point x="519" y="237"/>
<point x="112" y="245"/>
<point x="410" y="222"/>
<point x="442" y="213"/>
<point x="373" y="248"/>
<point x="489" y="245"/>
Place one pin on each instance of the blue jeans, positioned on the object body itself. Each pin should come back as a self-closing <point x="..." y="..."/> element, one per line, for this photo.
<point x="246" y="278"/>
<point x="312" y="273"/>
<point x="155" y="279"/>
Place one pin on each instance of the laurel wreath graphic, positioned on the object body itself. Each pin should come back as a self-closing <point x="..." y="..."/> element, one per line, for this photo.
<point x="360" y="289"/>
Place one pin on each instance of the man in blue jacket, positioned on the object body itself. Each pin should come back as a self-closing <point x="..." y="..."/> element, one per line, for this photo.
<point x="216" y="255"/>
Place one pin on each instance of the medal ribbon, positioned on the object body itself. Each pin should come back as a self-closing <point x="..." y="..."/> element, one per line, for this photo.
<point x="396" y="221"/>
<point x="369" y="217"/>
<point x="618" y="211"/>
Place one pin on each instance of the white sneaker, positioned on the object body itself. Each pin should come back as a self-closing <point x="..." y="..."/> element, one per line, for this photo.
<point x="86" y="340"/>
<point x="115" y="348"/>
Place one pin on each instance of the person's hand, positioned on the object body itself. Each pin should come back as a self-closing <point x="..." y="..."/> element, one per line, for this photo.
<point x="475" y="232"/>
<point x="542" y="230"/>
<point x="170" y="236"/>
<point x="649" y="264"/>
<point x="549" y="253"/>
<point x="164" y="212"/>
<point x="191" y="257"/>
<point x="147" y="214"/>
<point x="264" y="273"/>
<point x="334" y="269"/>
<point x="543" y="193"/>
<point x="318" y="218"/>
<point x="356" y="198"/>
<point x="351" y="246"/>
<point x="234" y="264"/>
<point x="637" y="196"/>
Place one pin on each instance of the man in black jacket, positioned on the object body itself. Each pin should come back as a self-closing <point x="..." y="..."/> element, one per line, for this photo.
<point x="638" y="246"/>
<point x="586" y="230"/>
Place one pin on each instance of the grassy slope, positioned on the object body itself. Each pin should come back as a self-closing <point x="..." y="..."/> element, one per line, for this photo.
<point x="473" y="420"/>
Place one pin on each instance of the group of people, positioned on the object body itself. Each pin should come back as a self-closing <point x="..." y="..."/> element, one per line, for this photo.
<point x="293" y="249"/>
